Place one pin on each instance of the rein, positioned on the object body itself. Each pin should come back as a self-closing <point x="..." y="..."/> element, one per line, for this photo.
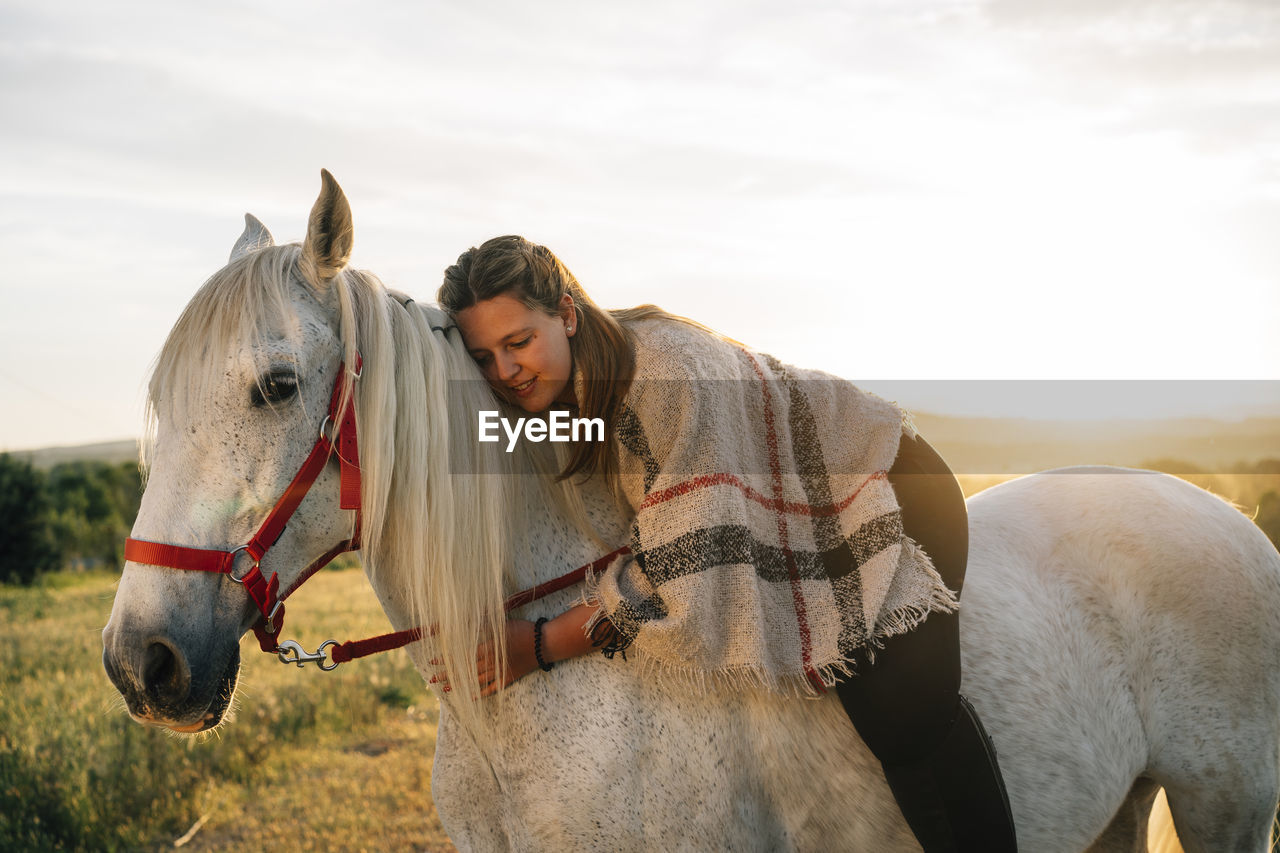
<point x="266" y="595"/>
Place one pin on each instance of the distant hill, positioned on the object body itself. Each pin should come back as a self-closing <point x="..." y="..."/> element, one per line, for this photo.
<point x="1021" y="446"/>
<point x="110" y="451"/>
<point x="983" y="446"/>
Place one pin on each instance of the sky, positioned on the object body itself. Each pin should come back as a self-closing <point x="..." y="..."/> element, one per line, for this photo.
<point x="908" y="193"/>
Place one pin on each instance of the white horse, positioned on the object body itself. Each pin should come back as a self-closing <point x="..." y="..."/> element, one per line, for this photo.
<point x="1120" y="629"/>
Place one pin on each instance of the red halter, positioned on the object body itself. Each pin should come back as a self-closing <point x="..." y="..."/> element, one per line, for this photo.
<point x="266" y="594"/>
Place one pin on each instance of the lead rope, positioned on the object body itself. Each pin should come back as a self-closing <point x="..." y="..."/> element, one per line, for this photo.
<point x="291" y="652"/>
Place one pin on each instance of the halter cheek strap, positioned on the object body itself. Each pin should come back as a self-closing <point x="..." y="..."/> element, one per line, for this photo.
<point x="265" y="593"/>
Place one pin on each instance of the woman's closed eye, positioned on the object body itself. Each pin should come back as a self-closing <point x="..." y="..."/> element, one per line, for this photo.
<point x="484" y="359"/>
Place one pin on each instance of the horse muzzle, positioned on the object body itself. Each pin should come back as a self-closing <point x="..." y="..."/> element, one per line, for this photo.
<point x="155" y="676"/>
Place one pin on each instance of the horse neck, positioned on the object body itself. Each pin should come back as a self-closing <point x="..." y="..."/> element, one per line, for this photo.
<point x="550" y="543"/>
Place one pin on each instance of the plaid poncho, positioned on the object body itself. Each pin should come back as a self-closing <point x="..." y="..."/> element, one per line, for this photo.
<point x="767" y="542"/>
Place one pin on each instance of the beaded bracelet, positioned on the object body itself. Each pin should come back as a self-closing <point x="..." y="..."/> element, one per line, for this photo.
<point x="537" y="644"/>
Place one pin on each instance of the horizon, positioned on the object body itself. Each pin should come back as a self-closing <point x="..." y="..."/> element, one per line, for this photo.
<point x="1083" y="423"/>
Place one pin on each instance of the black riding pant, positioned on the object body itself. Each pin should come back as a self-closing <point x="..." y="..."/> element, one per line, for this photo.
<point x="904" y="703"/>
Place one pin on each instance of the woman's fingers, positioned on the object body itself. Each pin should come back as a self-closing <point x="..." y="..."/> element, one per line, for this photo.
<point x="486" y="678"/>
<point x="492" y="686"/>
<point x="489" y="667"/>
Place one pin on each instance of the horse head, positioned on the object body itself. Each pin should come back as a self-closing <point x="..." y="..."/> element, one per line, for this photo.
<point x="239" y="393"/>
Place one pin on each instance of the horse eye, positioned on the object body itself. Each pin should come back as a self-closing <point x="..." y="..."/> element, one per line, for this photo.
<point x="274" y="388"/>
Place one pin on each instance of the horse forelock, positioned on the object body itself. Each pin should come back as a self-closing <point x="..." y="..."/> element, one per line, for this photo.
<point x="246" y="302"/>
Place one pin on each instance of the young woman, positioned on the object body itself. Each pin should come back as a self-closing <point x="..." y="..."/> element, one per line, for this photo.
<point x="788" y="530"/>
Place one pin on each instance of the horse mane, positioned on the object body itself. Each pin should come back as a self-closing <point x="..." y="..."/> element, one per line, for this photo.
<point x="437" y="504"/>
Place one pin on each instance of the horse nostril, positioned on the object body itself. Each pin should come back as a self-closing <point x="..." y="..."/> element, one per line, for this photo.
<point x="163" y="676"/>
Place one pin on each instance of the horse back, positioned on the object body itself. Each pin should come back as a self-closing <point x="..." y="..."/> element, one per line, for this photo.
<point x="1150" y="609"/>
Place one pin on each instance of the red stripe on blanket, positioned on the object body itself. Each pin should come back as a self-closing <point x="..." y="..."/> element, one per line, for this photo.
<point x="775" y="467"/>
<point x="775" y="504"/>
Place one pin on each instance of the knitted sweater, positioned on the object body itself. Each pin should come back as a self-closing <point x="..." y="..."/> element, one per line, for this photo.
<point x="767" y="542"/>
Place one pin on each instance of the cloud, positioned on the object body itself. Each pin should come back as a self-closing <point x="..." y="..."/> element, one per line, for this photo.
<point x="1163" y="47"/>
<point x="955" y="150"/>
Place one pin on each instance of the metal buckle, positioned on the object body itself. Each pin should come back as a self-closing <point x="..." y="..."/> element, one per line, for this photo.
<point x="232" y="574"/>
<point x="270" y="621"/>
<point x="290" y="651"/>
<point x="324" y="424"/>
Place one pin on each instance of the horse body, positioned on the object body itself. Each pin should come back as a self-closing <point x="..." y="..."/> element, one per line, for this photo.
<point x="1098" y="609"/>
<point x="1118" y="628"/>
<point x="1119" y="631"/>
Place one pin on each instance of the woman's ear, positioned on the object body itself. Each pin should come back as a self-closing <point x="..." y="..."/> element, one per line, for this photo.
<point x="569" y="315"/>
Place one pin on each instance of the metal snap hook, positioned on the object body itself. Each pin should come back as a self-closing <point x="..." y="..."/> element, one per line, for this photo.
<point x="290" y="651"/>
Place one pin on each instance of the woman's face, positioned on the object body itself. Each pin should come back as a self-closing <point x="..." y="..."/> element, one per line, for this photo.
<point x="524" y="353"/>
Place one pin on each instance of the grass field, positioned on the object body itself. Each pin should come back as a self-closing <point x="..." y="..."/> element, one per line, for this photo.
<point x="309" y="761"/>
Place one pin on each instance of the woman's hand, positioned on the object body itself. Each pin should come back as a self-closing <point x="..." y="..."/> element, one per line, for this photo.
<point x="562" y="638"/>
<point x="520" y="658"/>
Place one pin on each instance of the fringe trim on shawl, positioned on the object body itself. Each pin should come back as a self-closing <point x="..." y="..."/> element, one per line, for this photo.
<point x="942" y="599"/>
<point x="621" y="636"/>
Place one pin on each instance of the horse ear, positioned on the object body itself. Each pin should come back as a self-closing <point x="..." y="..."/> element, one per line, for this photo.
<point x="255" y="237"/>
<point x="329" y="235"/>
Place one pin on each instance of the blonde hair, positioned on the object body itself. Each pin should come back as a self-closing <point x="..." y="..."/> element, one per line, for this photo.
<point x="435" y="518"/>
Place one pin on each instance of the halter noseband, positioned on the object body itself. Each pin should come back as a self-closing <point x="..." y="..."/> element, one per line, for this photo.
<point x="266" y="594"/>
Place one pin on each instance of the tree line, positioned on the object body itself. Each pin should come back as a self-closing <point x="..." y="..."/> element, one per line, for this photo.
<point x="75" y="515"/>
